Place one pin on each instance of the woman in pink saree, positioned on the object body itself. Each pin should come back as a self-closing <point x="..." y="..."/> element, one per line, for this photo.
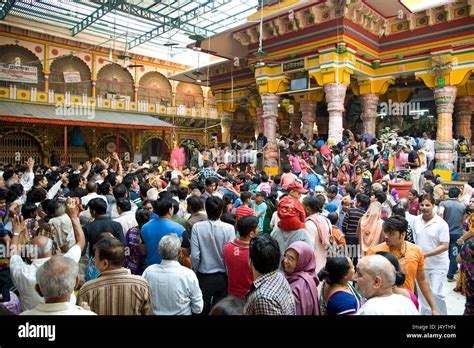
<point x="370" y="227"/>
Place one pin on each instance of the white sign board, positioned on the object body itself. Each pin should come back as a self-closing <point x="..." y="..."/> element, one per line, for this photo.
<point x="72" y="76"/>
<point x="18" y="73"/>
<point x="469" y="164"/>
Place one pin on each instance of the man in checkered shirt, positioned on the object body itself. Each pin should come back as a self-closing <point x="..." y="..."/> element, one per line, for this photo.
<point x="270" y="293"/>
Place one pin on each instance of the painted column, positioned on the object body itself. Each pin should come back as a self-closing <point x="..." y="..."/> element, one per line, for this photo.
<point x="94" y="90"/>
<point x="464" y="108"/>
<point x="308" y="112"/>
<point x="296" y="123"/>
<point x="369" y="112"/>
<point x="270" y="114"/>
<point x="226" y="124"/>
<point x="335" y="94"/>
<point x="65" y="146"/>
<point x="444" y="147"/>
<point x="260" y="121"/>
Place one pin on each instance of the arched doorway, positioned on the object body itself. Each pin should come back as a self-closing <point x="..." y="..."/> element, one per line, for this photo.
<point x="106" y="146"/>
<point x="113" y="79"/>
<point x="189" y="95"/>
<point x="12" y="54"/>
<point x="154" y="88"/>
<point x="70" y="64"/>
<point x="155" y="149"/>
<point x="22" y="144"/>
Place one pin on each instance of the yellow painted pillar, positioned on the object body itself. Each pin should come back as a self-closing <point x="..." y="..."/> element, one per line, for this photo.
<point x="444" y="146"/>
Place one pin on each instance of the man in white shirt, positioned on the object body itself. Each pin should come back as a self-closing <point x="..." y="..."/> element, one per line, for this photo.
<point x="24" y="275"/>
<point x="55" y="282"/>
<point x="174" y="288"/>
<point x="431" y="233"/>
<point x="126" y="216"/>
<point x="375" y="277"/>
<point x="92" y="189"/>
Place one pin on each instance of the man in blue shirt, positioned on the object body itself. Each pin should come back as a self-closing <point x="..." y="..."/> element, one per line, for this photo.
<point x="260" y="209"/>
<point x="154" y="230"/>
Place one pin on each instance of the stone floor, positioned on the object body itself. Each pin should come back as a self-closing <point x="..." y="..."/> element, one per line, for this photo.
<point x="454" y="300"/>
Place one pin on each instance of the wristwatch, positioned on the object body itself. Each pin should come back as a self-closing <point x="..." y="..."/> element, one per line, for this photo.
<point x="16" y="234"/>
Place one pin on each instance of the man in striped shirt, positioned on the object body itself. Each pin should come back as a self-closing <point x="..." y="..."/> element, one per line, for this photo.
<point x="116" y="291"/>
<point x="351" y="221"/>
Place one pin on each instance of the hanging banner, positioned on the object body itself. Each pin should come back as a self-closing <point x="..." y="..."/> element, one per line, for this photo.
<point x="18" y="73"/>
<point x="72" y="76"/>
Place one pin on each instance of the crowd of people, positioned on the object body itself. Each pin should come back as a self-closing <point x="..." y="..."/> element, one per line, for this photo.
<point x="212" y="233"/>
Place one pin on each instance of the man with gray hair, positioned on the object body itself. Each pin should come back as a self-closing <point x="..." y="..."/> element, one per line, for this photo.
<point x="24" y="274"/>
<point x="55" y="282"/>
<point x="375" y="277"/>
<point x="174" y="288"/>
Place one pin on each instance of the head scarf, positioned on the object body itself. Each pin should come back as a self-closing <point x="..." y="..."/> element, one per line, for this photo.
<point x="466" y="194"/>
<point x="371" y="226"/>
<point x="304" y="281"/>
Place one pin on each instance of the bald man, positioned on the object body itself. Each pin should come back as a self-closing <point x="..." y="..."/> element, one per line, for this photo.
<point x="23" y="274"/>
<point x="375" y="277"/>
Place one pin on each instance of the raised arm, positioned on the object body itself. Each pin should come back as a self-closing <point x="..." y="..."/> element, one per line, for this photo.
<point x="73" y="209"/>
<point x="115" y="156"/>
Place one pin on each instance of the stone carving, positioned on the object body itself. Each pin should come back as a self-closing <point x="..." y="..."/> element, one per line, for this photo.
<point x="444" y="100"/>
<point x="369" y="113"/>
<point x="464" y="107"/>
<point x="308" y="111"/>
<point x="335" y="94"/>
<point x="295" y="119"/>
<point x="270" y="114"/>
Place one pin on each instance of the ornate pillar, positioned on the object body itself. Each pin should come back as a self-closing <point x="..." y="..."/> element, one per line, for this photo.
<point x="308" y="112"/>
<point x="226" y="123"/>
<point x="444" y="99"/>
<point x="94" y="90"/>
<point x="335" y="94"/>
<point x="295" y="119"/>
<point x="369" y="112"/>
<point x="46" y="82"/>
<point x="260" y="121"/>
<point x="464" y="107"/>
<point x="270" y="114"/>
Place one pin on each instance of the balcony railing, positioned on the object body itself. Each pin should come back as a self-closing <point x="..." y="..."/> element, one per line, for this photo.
<point x="51" y="98"/>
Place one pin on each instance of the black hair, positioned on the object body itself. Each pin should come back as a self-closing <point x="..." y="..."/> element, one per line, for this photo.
<point x="351" y="191"/>
<point x="315" y="203"/>
<point x="246" y="224"/>
<point x="380" y="196"/>
<point x="120" y="191"/>
<point x="163" y="206"/>
<point x="195" y="203"/>
<point x="214" y="207"/>
<point x="244" y="188"/>
<point x="286" y="168"/>
<point x="414" y="192"/>
<point x="261" y="194"/>
<point x="104" y="188"/>
<point x="73" y="181"/>
<point x="454" y="192"/>
<point x="333" y="217"/>
<point x="98" y="205"/>
<point x="110" y="178"/>
<point x="398" y="210"/>
<point x="332" y="189"/>
<point x="264" y="253"/>
<point x="165" y="194"/>
<point x="395" y="223"/>
<point x="334" y="270"/>
<point x="38" y="179"/>
<point x="399" y="275"/>
<point x="264" y="177"/>
<point x="175" y="207"/>
<point x="14" y="192"/>
<point x="142" y="216"/>
<point x="182" y="192"/>
<point x="144" y="187"/>
<point x="427" y="197"/>
<point x="364" y="200"/>
<point x="124" y="204"/>
<point x="3" y="194"/>
<point x="210" y="181"/>
<point x="128" y="180"/>
<point x="229" y="218"/>
<point x="28" y="210"/>
<point x="111" y="249"/>
<point x="229" y="306"/>
<point x="256" y="179"/>
<point x="36" y="196"/>
<point x="227" y="198"/>
<point x="245" y="196"/>
<point x="277" y="179"/>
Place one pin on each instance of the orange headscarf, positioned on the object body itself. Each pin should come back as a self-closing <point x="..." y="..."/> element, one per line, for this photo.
<point x="371" y="227"/>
